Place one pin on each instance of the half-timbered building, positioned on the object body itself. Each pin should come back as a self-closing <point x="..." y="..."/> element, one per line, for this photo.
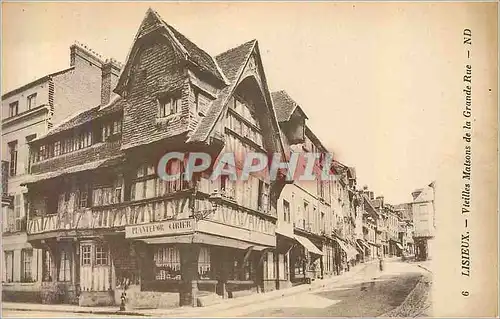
<point x="108" y="224"/>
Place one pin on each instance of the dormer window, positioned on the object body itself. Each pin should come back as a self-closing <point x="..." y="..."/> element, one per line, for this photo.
<point x="168" y="105"/>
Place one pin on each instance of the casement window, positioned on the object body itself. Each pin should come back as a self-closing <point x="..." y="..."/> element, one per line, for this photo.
<point x="101" y="255"/>
<point x="57" y="148"/>
<point x="83" y="198"/>
<point x="47" y="266"/>
<point x="168" y="105"/>
<point x="13" y="158"/>
<point x="263" y="199"/>
<point x="167" y="263"/>
<point x="204" y="265"/>
<point x="43" y="152"/>
<point x="286" y="211"/>
<point x="31" y="101"/>
<point x="17" y="213"/>
<point x="13" y="109"/>
<point x="9" y="265"/>
<point x="64" y="265"/>
<point x="26" y="265"/>
<point x="202" y="103"/>
<point x="86" y="252"/>
<point x="111" y="128"/>
<point x="147" y="184"/>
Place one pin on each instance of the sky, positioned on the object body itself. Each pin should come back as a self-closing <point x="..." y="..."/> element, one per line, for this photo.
<point x="371" y="77"/>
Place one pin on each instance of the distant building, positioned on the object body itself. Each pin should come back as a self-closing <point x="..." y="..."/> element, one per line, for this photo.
<point x="423" y="211"/>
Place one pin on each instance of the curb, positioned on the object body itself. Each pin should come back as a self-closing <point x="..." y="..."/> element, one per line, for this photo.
<point x="96" y="312"/>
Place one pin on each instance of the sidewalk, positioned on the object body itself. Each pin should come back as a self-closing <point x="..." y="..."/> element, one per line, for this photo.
<point x="190" y="311"/>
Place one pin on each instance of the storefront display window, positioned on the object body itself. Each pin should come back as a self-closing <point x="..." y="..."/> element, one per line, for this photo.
<point x="167" y="263"/>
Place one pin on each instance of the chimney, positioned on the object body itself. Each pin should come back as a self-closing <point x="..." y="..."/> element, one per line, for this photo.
<point x="82" y="55"/>
<point x="110" y="73"/>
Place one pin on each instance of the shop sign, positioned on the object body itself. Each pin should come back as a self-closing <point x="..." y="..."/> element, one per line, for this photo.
<point x="168" y="227"/>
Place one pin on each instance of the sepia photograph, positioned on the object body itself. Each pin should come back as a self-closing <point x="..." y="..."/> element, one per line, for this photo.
<point x="249" y="159"/>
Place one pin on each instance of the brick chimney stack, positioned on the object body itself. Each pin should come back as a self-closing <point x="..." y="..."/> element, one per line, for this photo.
<point x="82" y="55"/>
<point x="110" y="73"/>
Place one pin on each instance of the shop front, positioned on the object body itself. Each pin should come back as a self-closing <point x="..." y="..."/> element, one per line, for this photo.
<point x="348" y="254"/>
<point x="200" y="261"/>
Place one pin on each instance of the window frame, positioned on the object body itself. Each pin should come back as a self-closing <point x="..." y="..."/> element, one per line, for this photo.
<point x="86" y="260"/>
<point x="13" y="156"/>
<point x="169" y="104"/>
<point x="63" y="266"/>
<point x="27" y="265"/>
<point x="101" y="255"/>
<point x="31" y="101"/>
<point x="13" y="108"/>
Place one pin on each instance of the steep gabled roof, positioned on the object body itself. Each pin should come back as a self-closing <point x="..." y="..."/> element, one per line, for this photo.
<point x="284" y="106"/>
<point x="187" y="49"/>
<point x="232" y="63"/>
<point x="201" y="58"/>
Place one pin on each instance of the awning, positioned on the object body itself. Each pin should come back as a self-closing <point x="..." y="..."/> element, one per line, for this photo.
<point x="349" y="250"/>
<point x="202" y="239"/>
<point x="399" y="246"/>
<point x="308" y="245"/>
<point x="360" y="247"/>
<point x="362" y="242"/>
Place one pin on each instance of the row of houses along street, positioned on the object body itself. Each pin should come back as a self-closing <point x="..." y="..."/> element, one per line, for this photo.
<point x="79" y="184"/>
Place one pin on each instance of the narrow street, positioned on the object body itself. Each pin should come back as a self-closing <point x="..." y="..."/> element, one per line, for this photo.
<point x="368" y="293"/>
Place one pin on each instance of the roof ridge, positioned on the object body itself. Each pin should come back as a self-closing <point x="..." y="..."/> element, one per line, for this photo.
<point x="176" y="32"/>
<point x="235" y="48"/>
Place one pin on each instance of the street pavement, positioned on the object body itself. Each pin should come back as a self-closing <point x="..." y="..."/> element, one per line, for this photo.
<point x="366" y="292"/>
<point x="369" y="294"/>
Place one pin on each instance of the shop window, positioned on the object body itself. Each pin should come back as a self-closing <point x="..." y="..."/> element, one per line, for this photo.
<point x="47" y="266"/>
<point x="270" y="265"/>
<point x="65" y="266"/>
<point x="101" y="255"/>
<point x="168" y="263"/>
<point x="86" y="252"/>
<point x="283" y="274"/>
<point x="204" y="267"/>
<point x="9" y="265"/>
<point x="26" y="265"/>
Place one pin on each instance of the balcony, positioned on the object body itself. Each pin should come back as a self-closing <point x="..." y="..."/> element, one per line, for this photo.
<point x="111" y="216"/>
